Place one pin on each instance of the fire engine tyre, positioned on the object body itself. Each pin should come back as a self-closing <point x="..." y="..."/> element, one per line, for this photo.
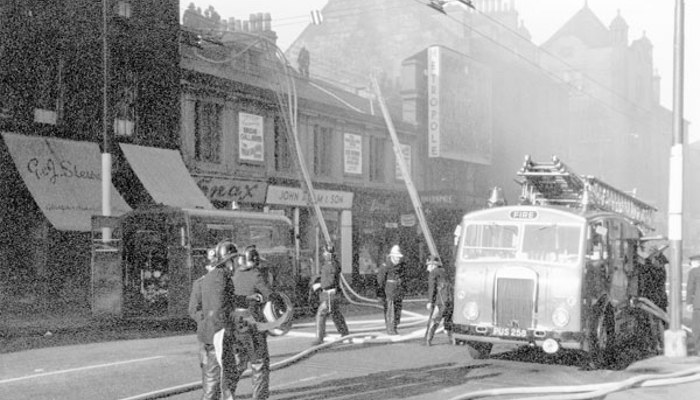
<point x="482" y="350"/>
<point x="602" y="338"/>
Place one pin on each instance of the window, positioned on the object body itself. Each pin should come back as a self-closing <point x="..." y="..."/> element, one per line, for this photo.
<point x="376" y="159"/>
<point x="207" y="131"/>
<point x="490" y="241"/>
<point x="323" y="150"/>
<point x="49" y="99"/>
<point x="123" y="8"/>
<point x="125" y="102"/>
<point x="283" y="154"/>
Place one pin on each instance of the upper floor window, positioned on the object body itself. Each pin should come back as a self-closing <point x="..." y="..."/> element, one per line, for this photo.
<point x="48" y="105"/>
<point x="207" y="131"/>
<point x="376" y="159"/>
<point x="323" y="150"/>
<point x="125" y="102"/>
<point x="123" y="8"/>
<point x="283" y="154"/>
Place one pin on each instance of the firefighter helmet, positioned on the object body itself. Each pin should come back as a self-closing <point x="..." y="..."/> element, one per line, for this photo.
<point x="225" y="250"/>
<point x="328" y="252"/>
<point x="252" y="257"/>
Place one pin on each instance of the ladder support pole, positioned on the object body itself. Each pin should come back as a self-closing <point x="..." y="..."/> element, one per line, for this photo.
<point x="415" y="199"/>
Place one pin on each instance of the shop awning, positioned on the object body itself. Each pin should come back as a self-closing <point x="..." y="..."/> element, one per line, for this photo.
<point x="165" y="176"/>
<point x="64" y="177"/>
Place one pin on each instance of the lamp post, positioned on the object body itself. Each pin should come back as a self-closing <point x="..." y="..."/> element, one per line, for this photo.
<point x="106" y="155"/>
<point x="674" y="337"/>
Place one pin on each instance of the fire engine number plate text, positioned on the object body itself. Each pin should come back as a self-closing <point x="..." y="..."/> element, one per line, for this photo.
<point x="513" y="332"/>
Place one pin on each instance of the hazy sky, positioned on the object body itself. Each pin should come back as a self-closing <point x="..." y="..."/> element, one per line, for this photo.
<point x="542" y="18"/>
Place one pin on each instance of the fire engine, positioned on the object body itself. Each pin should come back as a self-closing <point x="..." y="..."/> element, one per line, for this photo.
<point x="559" y="270"/>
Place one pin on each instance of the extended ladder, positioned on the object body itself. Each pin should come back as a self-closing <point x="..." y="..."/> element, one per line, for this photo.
<point x="553" y="183"/>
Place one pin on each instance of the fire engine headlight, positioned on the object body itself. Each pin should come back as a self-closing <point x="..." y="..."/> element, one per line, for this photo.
<point x="470" y="311"/>
<point x="560" y="317"/>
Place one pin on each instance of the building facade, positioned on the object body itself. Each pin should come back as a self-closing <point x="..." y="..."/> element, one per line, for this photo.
<point x="52" y="103"/>
<point x="239" y="145"/>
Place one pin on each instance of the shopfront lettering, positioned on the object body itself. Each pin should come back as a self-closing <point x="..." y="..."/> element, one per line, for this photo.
<point x="289" y="196"/>
<point x="222" y="189"/>
<point x="51" y="170"/>
<point x="297" y="197"/>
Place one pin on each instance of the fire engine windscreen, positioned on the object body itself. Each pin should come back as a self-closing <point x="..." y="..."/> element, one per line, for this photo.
<point x="553" y="243"/>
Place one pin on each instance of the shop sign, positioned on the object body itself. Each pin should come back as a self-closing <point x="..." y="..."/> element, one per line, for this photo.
<point x="250" y="137"/>
<point x="290" y="196"/>
<point x="408" y="219"/>
<point x="225" y="189"/>
<point x="451" y="199"/>
<point x="353" y="153"/>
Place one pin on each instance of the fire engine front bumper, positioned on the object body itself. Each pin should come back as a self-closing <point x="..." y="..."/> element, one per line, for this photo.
<point x="494" y="334"/>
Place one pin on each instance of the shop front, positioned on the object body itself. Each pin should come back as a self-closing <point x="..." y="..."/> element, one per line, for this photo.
<point x="381" y="220"/>
<point x="53" y="187"/>
<point x="444" y="210"/>
<point x="336" y="208"/>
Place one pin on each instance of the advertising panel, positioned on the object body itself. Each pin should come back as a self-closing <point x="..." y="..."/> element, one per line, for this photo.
<point x="352" y="151"/>
<point x="459" y="107"/>
<point x="250" y="137"/>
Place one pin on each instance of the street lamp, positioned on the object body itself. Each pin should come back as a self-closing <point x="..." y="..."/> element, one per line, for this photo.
<point x="106" y="155"/>
<point x="674" y="337"/>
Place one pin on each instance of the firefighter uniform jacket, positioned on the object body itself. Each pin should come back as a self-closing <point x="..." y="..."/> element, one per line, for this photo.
<point x="247" y="282"/>
<point x="330" y="272"/>
<point x="210" y="303"/>
<point x="439" y="288"/>
<point x="391" y="280"/>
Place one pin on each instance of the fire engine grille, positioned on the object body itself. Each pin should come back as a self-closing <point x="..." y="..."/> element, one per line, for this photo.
<point x="514" y="302"/>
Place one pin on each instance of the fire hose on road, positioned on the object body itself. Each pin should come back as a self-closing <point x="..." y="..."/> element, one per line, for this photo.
<point x="352" y="339"/>
<point x="590" y="391"/>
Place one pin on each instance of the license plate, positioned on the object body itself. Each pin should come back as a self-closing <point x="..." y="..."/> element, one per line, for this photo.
<point x="512" y="332"/>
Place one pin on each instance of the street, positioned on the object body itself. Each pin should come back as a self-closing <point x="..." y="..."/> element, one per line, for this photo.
<point x="402" y="370"/>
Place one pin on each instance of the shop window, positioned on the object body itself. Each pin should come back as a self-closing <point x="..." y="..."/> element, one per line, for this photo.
<point x="283" y="154"/>
<point x="323" y="150"/>
<point x="376" y="159"/>
<point x="207" y="131"/>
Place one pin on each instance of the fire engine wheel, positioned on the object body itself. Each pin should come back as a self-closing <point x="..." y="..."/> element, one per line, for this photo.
<point x="602" y="337"/>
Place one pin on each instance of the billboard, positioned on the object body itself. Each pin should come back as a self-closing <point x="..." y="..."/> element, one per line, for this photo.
<point x="459" y="107"/>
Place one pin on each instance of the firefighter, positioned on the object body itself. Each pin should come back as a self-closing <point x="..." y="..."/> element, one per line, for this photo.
<point x="211" y="300"/>
<point x="251" y="292"/>
<point x="692" y="299"/>
<point x="439" y="299"/>
<point x="391" y="287"/>
<point x="328" y="284"/>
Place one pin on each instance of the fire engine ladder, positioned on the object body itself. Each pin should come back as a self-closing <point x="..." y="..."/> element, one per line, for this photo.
<point x="554" y="183"/>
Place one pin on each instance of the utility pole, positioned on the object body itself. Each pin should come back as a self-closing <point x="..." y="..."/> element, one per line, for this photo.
<point x="674" y="337"/>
